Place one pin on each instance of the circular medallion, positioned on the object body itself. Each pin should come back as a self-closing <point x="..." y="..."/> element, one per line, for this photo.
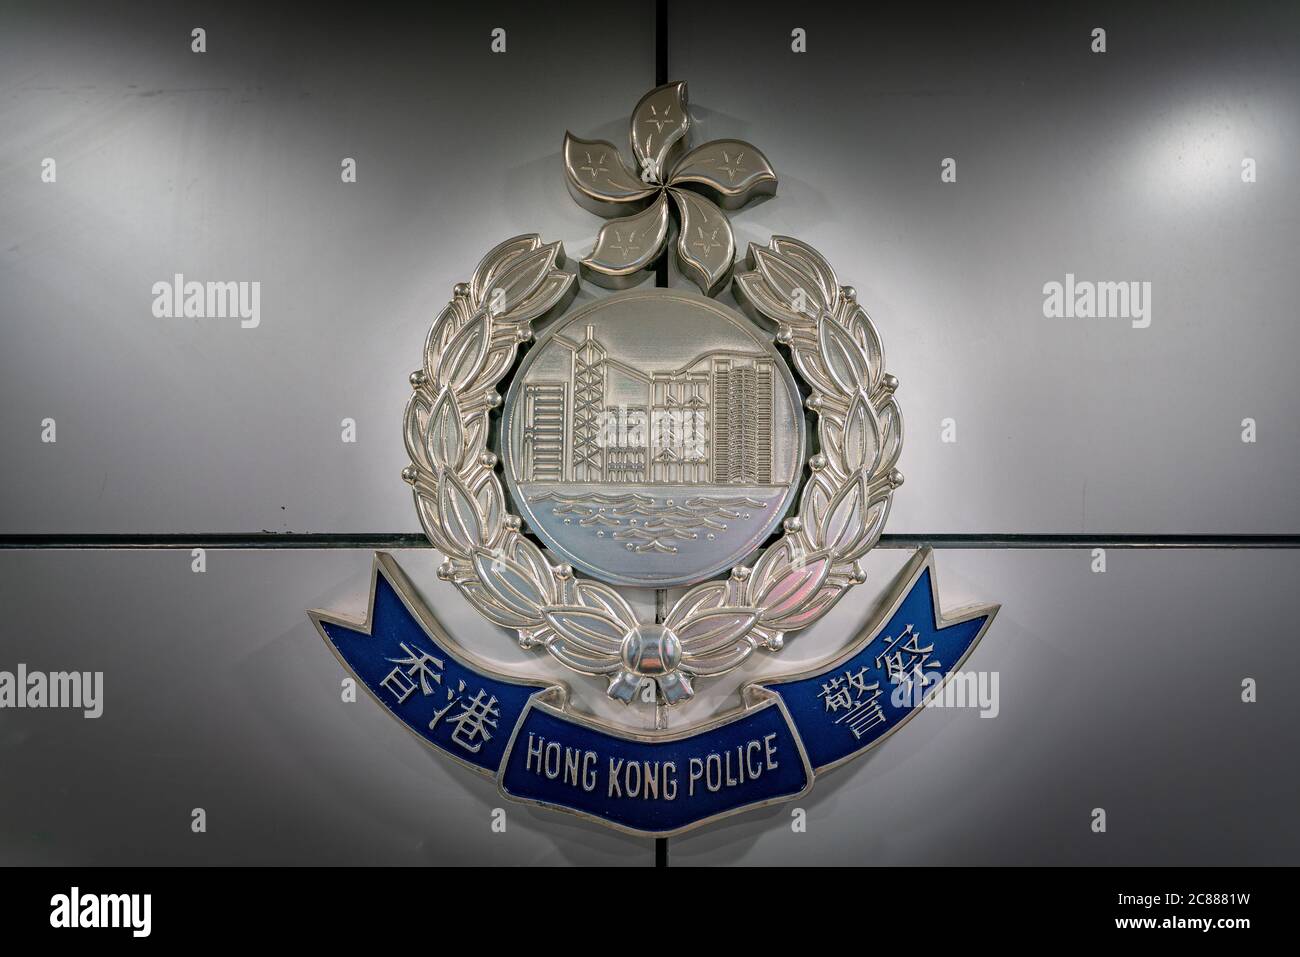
<point x="653" y="438"/>
<point x="670" y="420"/>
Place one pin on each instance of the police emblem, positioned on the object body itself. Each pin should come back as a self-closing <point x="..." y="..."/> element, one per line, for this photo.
<point x="740" y="463"/>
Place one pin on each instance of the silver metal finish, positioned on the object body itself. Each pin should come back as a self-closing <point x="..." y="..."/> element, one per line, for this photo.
<point x="755" y="696"/>
<point x="653" y="438"/>
<point x="722" y="173"/>
<point x="586" y="625"/>
<point x="377" y="793"/>
<point x="655" y="641"/>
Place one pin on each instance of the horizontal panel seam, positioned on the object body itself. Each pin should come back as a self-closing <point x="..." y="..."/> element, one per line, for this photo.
<point x="322" y="540"/>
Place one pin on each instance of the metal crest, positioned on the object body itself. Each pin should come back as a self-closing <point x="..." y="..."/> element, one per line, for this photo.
<point x="785" y="732"/>
<point x="721" y="173"/>
<point x="584" y="624"/>
<point x="653" y="438"/>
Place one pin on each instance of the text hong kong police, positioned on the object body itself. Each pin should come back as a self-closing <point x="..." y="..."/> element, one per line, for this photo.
<point x="621" y="777"/>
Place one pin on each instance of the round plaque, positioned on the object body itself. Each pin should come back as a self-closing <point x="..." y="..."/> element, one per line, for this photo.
<point x="653" y="438"/>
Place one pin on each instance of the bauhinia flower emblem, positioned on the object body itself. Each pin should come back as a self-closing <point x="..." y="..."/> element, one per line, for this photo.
<point x="714" y="626"/>
<point x="720" y="173"/>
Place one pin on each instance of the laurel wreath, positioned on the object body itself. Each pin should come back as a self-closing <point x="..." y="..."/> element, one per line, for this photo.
<point x="715" y="626"/>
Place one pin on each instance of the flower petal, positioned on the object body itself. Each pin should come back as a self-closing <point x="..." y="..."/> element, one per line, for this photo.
<point x="556" y="291"/>
<point x="444" y="328"/>
<point x="720" y="662"/>
<point x="659" y="126"/>
<point x="789" y="281"/>
<point x="706" y="249"/>
<point x="715" y="629"/>
<point x="891" y="430"/>
<point x="418" y="410"/>
<point x="516" y="279"/>
<point x="593" y="594"/>
<point x="598" y="179"/>
<point x="730" y="172"/>
<point x="861" y="444"/>
<point x="593" y="630"/>
<point x="825" y="600"/>
<point x="446" y="437"/>
<point x="792" y="586"/>
<point x="812" y="263"/>
<point x="755" y="297"/>
<point x="521" y="279"/>
<point x="496" y="259"/>
<point x="707" y="595"/>
<point x="464" y="355"/>
<point x="843" y="523"/>
<point x="574" y="656"/>
<point x="627" y="249"/>
<point x="458" y="511"/>
<point x="845" y="361"/>
<point x="517" y="579"/>
<point x="483" y="600"/>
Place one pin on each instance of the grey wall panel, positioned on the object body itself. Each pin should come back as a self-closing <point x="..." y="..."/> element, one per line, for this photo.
<point x="226" y="166"/>
<point x="219" y="694"/>
<point x="1119" y="690"/>
<point x="1114" y="167"/>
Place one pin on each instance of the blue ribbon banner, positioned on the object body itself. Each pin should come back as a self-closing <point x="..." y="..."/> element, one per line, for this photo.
<point x="659" y="784"/>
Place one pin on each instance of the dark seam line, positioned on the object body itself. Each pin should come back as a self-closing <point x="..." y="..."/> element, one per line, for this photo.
<point x="324" y="540"/>
<point x="661" y="77"/>
<point x="661" y="267"/>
